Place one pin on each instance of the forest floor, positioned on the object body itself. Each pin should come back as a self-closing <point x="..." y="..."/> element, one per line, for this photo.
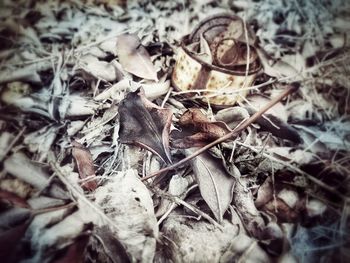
<point x="116" y="146"/>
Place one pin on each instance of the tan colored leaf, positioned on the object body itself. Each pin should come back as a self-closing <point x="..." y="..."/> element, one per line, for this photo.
<point x="85" y="164"/>
<point x="134" y="57"/>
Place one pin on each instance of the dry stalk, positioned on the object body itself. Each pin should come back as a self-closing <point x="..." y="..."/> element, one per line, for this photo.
<point x="292" y="88"/>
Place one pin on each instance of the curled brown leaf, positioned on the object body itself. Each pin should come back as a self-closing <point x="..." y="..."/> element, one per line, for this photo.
<point x="85" y="164"/>
<point x="198" y="130"/>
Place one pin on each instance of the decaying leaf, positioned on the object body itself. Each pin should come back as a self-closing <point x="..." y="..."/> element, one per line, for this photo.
<point x="127" y="201"/>
<point x="13" y="198"/>
<point x="199" y="242"/>
<point x="134" y="57"/>
<point x="145" y="124"/>
<point x="215" y="185"/>
<point x="205" y="131"/>
<point x="97" y="68"/>
<point x="85" y="164"/>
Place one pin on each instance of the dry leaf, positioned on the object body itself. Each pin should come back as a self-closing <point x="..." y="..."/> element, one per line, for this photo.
<point x="85" y="165"/>
<point x="195" y="241"/>
<point x="215" y="185"/>
<point x="98" y="69"/>
<point x="128" y="203"/>
<point x="134" y="57"/>
<point x="20" y="166"/>
<point x="13" y="198"/>
<point x="205" y="131"/>
<point x="249" y="215"/>
<point x="145" y="124"/>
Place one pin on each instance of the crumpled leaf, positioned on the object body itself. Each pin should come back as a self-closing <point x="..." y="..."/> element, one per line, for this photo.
<point x="134" y="57"/>
<point x="128" y="203"/>
<point x="97" y="68"/>
<point x="145" y="124"/>
<point x="199" y="242"/>
<point x="205" y="131"/>
<point x="215" y="185"/>
<point x="85" y="164"/>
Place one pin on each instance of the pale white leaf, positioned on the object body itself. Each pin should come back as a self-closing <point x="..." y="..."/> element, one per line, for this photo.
<point x="98" y="69"/>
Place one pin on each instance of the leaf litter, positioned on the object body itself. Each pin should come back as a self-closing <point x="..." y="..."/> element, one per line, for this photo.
<point x="98" y="76"/>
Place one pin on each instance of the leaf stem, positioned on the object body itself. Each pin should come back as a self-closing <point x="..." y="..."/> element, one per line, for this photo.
<point x="292" y="88"/>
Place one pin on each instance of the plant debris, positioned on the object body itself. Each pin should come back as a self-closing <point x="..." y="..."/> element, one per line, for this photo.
<point x="174" y="131"/>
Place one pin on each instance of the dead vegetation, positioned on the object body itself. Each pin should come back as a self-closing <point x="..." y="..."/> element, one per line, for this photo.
<point x="111" y="152"/>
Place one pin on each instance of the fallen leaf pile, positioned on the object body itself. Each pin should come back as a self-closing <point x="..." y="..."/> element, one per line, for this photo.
<point x="95" y="128"/>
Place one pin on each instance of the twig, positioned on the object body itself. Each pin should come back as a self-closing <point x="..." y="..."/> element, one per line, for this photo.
<point x="179" y="201"/>
<point x="78" y="195"/>
<point x="54" y="208"/>
<point x="253" y="118"/>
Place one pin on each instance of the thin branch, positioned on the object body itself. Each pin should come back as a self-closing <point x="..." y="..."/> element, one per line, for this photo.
<point x="292" y="88"/>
